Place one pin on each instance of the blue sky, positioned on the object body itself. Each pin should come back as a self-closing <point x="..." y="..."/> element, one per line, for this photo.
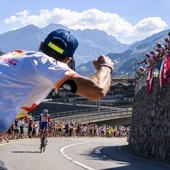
<point x="127" y="20"/>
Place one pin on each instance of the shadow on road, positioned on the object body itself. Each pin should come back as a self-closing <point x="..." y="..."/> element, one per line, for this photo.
<point x="124" y="161"/>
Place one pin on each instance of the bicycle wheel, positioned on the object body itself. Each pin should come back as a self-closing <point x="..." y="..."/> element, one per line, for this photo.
<point x="45" y="143"/>
<point x="44" y="148"/>
<point x="42" y="144"/>
<point x="41" y="148"/>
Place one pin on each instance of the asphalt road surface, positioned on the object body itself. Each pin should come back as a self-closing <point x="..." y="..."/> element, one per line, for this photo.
<point x="75" y="153"/>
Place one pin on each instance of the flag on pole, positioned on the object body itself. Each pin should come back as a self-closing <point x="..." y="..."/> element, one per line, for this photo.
<point x="150" y="81"/>
<point x="164" y="71"/>
<point x="156" y="72"/>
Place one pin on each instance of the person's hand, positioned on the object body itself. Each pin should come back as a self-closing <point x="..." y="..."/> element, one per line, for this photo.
<point x="103" y="60"/>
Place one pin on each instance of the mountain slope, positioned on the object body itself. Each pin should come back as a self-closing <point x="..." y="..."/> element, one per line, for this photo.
<point x="126" y="62"/>
<point x="92" y="43"/>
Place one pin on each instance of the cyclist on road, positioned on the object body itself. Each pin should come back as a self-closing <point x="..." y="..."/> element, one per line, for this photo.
<point x="44" y="120"/>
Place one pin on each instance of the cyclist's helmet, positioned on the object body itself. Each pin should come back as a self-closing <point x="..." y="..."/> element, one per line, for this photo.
<point x="45" y="111"/>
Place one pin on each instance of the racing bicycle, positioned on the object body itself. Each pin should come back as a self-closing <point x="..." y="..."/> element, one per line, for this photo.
<point x="43" y="141"/>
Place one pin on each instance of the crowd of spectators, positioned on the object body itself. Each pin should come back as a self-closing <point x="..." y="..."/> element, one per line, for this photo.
<point x="153" y="57"/>
<point x="29" y="128"/>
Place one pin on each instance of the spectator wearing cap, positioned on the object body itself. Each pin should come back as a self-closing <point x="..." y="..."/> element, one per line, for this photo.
<point x="162" y="51"/>
<point x="160" y="47"/>
<point x="166" y="49"/>
<point x="148" y="61"/>
<point x="153" y="54"/>
<point x="167" y="40"/>
<point x="142" y="71"/>
<point x="155" y="57"/>
<point x="26" y="81"/>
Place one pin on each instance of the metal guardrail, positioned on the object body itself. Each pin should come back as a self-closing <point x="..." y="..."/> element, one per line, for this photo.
<point x="91" y="115"/>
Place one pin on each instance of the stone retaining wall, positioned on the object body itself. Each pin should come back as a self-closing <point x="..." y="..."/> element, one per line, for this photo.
<point x="150" y="125"/>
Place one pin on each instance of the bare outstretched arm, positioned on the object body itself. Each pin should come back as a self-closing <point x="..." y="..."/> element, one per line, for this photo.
<point x="96" y="86"/>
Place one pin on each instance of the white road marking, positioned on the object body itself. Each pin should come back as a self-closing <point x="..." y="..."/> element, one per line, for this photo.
<point x="82" y="165"/>
<point x="74" y="161"/>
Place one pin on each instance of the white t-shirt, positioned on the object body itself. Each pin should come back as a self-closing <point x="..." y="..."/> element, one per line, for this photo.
<point x="26" y="78"/>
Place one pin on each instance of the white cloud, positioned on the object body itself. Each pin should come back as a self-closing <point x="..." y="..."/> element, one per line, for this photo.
<point x="11" y="20"/>
<point x="147" y="27"/>
<point x="112" y="23"/>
